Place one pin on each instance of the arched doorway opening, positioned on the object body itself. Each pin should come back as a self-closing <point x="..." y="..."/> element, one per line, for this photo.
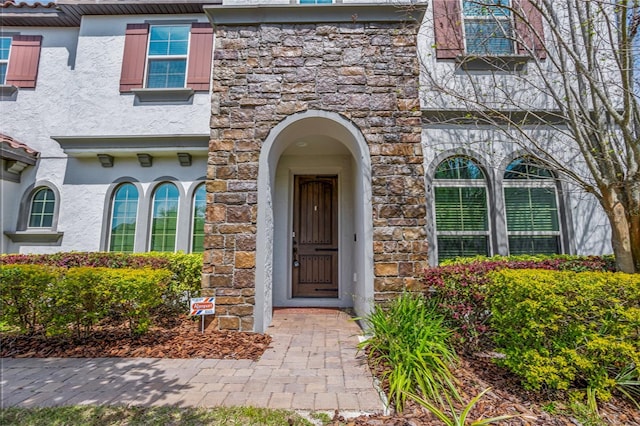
<point x="314" y="162"/>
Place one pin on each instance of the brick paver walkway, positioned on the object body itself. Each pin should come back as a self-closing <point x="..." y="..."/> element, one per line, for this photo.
<point x="312" y="365"/>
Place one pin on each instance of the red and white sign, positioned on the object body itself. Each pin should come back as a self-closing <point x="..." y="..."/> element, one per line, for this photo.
<point x="203" y="306"/>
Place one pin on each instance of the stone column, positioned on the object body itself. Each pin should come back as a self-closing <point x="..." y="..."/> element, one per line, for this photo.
<point x="366" y="71"/>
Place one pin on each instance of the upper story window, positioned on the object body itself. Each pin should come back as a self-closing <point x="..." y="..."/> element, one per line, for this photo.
<point x="462" y="225"/>
<point x="42" y="209"/>
<point x="488" y="27"/>
<point x="5" y="47"/>
<point x="531" y="206"/>
<point x="167" y="56"/>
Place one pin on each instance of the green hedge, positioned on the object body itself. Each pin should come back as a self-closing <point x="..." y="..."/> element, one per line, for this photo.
<point x="54" y="300"/>
<point x="562" y="329"/>
<point x="186" y="268"/>
<point x="460" y="288"/>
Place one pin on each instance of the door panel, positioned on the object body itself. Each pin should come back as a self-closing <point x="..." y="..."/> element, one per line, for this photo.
<point x="315" y="236"/>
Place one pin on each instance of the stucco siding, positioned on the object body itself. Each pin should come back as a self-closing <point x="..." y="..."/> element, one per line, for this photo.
<point x="77" y="95"/>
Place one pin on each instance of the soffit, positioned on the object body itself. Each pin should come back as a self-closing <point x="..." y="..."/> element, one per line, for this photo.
<point x="314" y="13"/>
<point x="68" y="13"/>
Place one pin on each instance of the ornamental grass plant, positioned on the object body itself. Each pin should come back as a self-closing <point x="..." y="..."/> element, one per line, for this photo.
<point x="409" y="339"/>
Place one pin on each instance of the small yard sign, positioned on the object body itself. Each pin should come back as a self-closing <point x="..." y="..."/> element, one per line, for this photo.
<point x="203" y="306"/>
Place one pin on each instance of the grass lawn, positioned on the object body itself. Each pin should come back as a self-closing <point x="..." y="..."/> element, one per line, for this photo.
<point x="101" y="416"/>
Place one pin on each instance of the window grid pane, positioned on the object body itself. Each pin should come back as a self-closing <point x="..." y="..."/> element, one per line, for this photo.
<point x="450" y="246"/>
<point x="168" y="40"/>
<point x="534" y="244"/>
<point x="123" y="219"/>
<point x="165" y="218"/>
<point x="42" y="209"/>
<point x="199" y="207"/>
<point x="166" y="73"/>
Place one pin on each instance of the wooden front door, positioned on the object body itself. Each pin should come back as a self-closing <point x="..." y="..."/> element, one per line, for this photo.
<point x="315" y="236"/>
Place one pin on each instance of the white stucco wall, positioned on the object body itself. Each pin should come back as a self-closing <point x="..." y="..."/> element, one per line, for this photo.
<point x="445" y="86"/>
<point x="77" y="94"/>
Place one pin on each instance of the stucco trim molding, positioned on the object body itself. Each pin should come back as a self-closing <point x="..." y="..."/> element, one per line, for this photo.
<point x="7" y="91"/>
<point x="34" y="236"/>
<point x="146" y="95"/>
<point x="158" y="145"/>
<point x="303" y="13"/>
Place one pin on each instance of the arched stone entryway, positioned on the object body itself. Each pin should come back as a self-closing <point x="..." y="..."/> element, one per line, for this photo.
<point x="319" y="143"/>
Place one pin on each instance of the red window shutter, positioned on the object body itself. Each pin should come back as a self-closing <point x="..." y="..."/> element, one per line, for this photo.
<point x="531" y="34"/>
<point x="23" y="62"/>
<point x="135" y="56"/>
<point x="199" y="73"/>
<point x="447" y="18"/>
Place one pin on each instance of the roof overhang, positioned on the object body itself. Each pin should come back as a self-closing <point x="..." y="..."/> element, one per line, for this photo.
<point x="68" y="13"/>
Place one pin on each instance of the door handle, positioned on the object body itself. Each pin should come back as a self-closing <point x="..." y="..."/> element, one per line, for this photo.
<point x="326" y="249"/>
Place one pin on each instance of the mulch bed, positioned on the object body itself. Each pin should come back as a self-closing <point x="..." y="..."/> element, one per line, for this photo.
<point x="506" y="396"/>
<point x="170" y="338"/>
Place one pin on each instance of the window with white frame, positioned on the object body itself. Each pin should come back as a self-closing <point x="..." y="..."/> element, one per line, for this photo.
<point x="488" y="27"/>
<point x="42" y="210"/>
<point x="164" y="222"/>
<point x="462" y="226"/>
<point x="531" y="207"/>
<point x="197" y="226"/>
<point x="124" y="216"/>
<point x="5" y="48"/>
<point x="167" y="56"/>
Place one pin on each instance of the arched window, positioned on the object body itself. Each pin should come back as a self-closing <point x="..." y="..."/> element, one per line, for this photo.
<point x="531" y="206"/>
<point x="164" y="218"/>
<point x="43" y="204"/>
<point x="197" y="227"/>
<point x="462" y="226"/>
<point x="124" y="216"/>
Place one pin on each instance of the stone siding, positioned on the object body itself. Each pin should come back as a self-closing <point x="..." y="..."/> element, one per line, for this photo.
<point x="368" y="72"/>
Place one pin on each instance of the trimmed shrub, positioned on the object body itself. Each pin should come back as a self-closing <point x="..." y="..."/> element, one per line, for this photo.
<point x="80" y="299"/>
<point x="135" y="292"/>
<point x="25" y="295"/>
<point x="460" y="286"/>
<point x="60" y="300"/>
<point x="186" y="268"/>
<point x="562" y="329"/>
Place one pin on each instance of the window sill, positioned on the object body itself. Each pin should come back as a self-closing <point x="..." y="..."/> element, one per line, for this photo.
<point x="7" y="91"/>
<point x="492" y="62"/>
<point x="35" y="236"/>
<point x="163" y="95"/>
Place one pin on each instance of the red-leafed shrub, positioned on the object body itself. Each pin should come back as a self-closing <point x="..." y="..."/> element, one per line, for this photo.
<point x="460" y="288"/>
<point x="91" y="259"/>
